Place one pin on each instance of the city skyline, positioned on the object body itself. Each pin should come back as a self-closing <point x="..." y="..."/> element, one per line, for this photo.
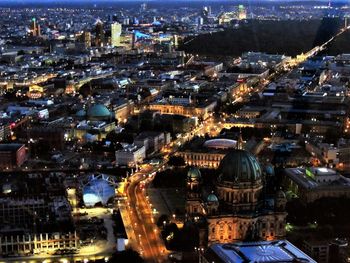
<point x="174" y="131"/>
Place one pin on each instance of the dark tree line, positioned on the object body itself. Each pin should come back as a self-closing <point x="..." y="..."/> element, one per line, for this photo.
<point x="290" y="37"/>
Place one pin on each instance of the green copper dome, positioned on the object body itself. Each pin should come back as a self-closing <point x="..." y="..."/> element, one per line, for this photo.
<point x="212" y="198"/>
<point x="239" y="166"/>
<point x="81" y="113"/>
<point x="194" y="173"/>
<point x="98" y="111"/>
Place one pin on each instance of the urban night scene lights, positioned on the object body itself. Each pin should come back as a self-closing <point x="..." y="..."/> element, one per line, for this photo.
<point x="211" y="131"/>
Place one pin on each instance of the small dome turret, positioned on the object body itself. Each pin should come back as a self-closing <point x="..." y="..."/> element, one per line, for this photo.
<point x="212" y="204"/>
<point x="194" y="174"/>
<point x="212" y="198"/>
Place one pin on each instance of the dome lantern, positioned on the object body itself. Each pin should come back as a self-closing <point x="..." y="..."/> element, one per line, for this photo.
<point x="194" y="174"/>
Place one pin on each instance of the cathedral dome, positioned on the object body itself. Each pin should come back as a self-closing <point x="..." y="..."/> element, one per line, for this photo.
<point x="194" y="174"/>
<point x="239" y="166"/>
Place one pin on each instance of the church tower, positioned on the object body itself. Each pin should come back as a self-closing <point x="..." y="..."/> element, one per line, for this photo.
<point x="193" y="198"/>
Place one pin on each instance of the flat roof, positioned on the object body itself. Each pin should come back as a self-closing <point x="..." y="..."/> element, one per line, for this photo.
<point x="300" y="177"/>
<point x="261" y="251"/>
<point x="10" y="146"/>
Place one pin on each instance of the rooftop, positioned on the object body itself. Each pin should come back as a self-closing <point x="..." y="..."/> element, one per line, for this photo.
<point x="220" y="143"/>
<point x="262" y="252"/>
<point x="317" y="177"/>
<point x="10" y="147"/>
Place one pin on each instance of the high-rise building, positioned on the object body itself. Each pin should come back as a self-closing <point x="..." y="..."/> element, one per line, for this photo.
<point x="242" y="12"/>
<point x="205" y="14"/>
<point x="200" y="21"/>
<point x="35" y="28"/>
<point x="143" y="7"/>
<point x="38" y="30"/>
<point x="126" y="21"/>
<point x="175" y="41"/>
<point x="86" y="39"/>
<point x="100" y="34"/>
<point x="116" y="31"/>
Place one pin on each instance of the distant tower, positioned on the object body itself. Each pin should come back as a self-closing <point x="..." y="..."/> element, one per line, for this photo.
<point x="134" y="40"/>
<point x="205" y="13"/>
<point x="175" y="41"/>
<point x="38" y="30"/>
<point x="35" y="28"/>
<point x="242" y="12"/>
<point x="126" y="21"/>
<point x="116" y="31"/>
<point x="86" y="39"/>
<point x="193" y="198"/>
<point x="200" y="21"/>
<point x="143" y="7"/>
<point x="100" y="34"/>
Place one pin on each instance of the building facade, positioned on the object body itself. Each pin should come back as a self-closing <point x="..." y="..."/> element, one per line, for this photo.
<point x="116" y="31"/>
<point x="37" y="243"/>
<point x="202" y="159"/>
<point x="130" y="155"/>
<point x="313" y="183"/>
<point x="12" y="155"/>
<point x="189" y="110"/>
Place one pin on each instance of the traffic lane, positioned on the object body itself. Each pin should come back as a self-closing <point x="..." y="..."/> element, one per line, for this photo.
<point x="150" y="228"/>
<point x="146" y="248"/>
<point x="142" y="222"/>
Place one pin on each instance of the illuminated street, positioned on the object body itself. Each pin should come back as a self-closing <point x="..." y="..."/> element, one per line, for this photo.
<point x="136" y="211"/>
<point x="148" y="241"/>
